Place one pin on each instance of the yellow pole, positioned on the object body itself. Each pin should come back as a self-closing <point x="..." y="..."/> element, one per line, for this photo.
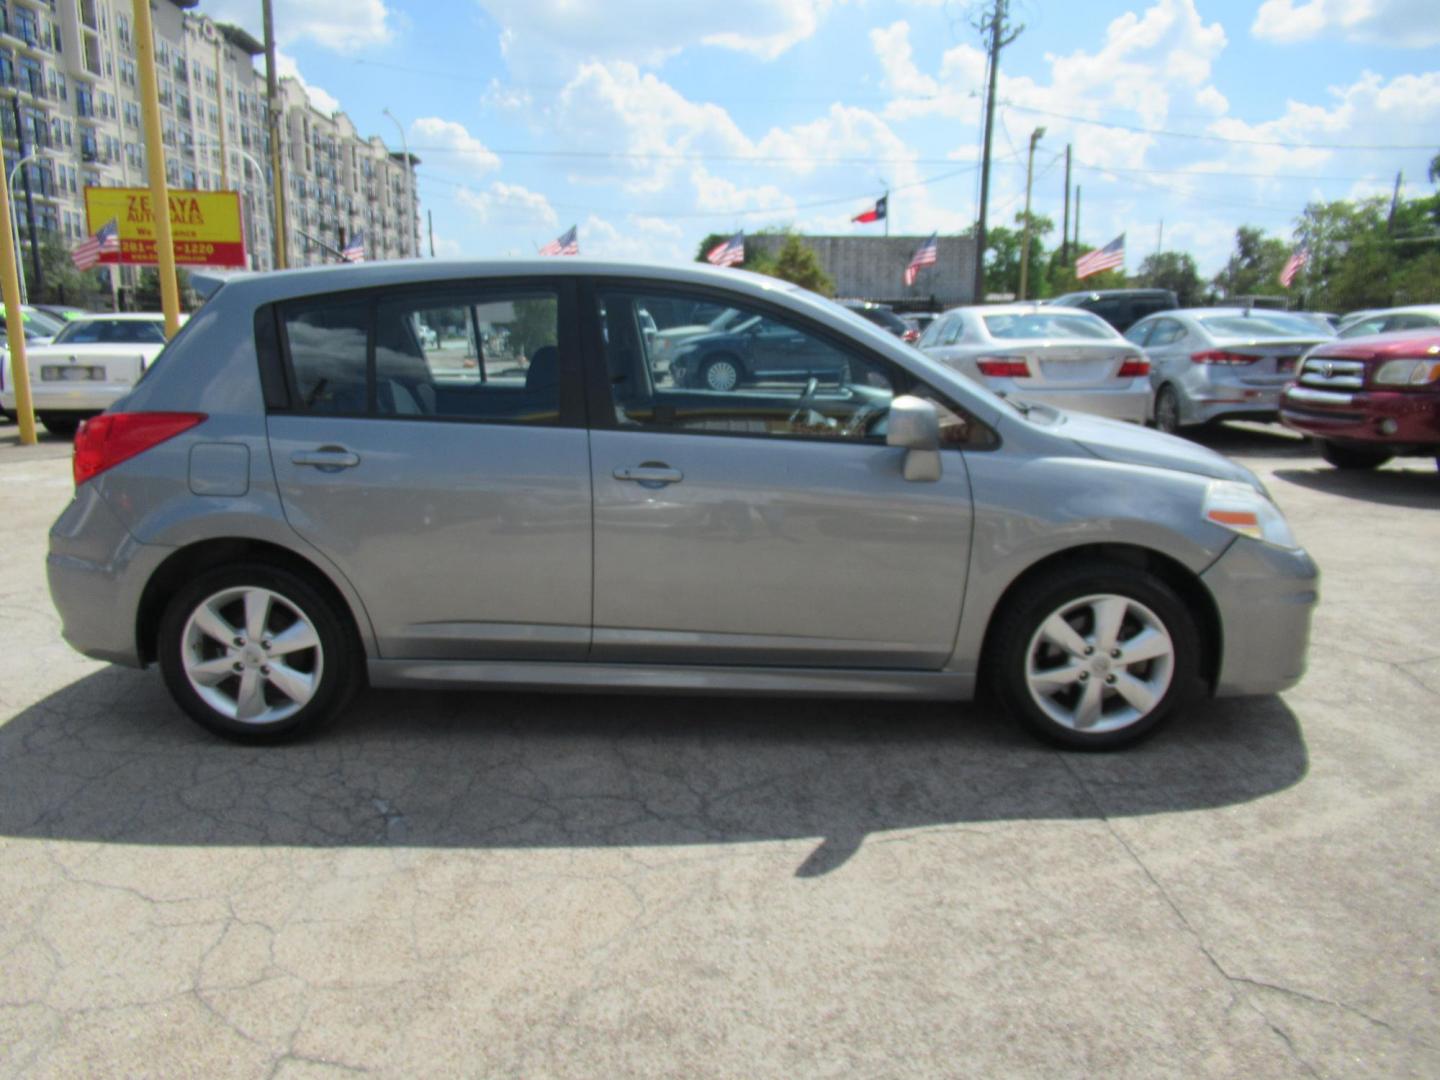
<point x="15" y="320"/>
<point x="220" y="97"/>
<point x="155" y="159"/>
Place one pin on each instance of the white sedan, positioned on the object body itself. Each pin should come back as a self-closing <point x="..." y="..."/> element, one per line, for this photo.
<point x="92" y="363"/>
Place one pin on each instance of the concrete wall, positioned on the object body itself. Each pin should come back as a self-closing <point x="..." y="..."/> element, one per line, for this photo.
<point x="873" y="267"/>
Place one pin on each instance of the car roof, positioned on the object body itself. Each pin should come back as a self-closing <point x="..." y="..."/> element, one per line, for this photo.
<point x="1026" y="307"/>
<point x="125" y="316"/>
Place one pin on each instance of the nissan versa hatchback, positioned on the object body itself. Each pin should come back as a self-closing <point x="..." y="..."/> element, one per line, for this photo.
<point x="435" y="474"/>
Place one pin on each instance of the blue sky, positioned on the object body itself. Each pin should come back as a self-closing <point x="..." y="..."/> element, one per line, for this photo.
<point x="650" y="123"/>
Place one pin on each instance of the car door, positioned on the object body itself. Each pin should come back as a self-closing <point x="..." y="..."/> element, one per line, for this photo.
<point x="767" y="525"/>
<point x="432" y="444"/>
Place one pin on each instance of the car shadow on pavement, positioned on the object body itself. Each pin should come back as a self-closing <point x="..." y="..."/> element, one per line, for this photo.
<point x="109" y="759"/>
<point x="1418" y="488"/>
<point x="1251" y="439"/>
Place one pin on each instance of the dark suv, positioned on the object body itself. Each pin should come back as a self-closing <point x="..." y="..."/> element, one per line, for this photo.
<point x="1121" y="308"/>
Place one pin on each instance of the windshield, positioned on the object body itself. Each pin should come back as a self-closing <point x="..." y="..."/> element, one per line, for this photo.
<point x="43" y="323"/>
<point x="1258" y="324"/>
<point x="1048" y="324"/>
<point x="111" y="332"/>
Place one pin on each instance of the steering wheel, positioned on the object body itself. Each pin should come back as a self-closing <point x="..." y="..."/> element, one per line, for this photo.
<point x="806" y="396"/>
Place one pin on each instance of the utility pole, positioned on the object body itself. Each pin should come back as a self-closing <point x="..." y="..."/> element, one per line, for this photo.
<point x="1065" y="228"/>
<point x="1035" y="137"/>
<point x="430" y="224"/>
<point x="1389" y="225"/>
<point x="35" y="269"/>
<point x="272" y="109"/>
<point x="1160" y="237"/>
<point x="995" y="24"/>
<point x="155" y="159"/>
<point x="1077" y="219"/>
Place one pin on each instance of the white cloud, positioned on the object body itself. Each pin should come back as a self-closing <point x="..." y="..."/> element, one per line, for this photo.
<point x="453" y="144"/>
<point x="286" y="67"/>
<point x="509" y="204"/>
<point x="342" y="25"/>
<point x="1404" y="23"/>
<point x="557" y="32"/>
<point x="641" y="237"/>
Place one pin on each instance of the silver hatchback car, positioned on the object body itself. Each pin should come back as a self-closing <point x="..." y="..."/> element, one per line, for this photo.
<point x="468" y="474"/>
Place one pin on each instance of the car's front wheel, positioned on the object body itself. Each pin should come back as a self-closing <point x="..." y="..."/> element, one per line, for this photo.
<point x="1094" y="656"/>
<point x="256" y="653"/>
<point x="720" y="373"/>
<point x="1353" y="457"/>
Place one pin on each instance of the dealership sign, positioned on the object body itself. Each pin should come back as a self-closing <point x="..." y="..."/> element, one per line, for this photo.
<point x="205" y="226"/>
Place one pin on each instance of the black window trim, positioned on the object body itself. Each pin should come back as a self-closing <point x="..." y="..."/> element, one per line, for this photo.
<point x="571" y="392"/>
<point x="601" y="403"/>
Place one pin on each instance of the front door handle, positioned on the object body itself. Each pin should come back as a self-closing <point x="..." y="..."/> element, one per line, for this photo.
<point x="327" y="458"/>
<point x="652" y="474"/>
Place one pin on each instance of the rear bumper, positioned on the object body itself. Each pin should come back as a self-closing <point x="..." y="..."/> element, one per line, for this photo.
<point x="1265" y="596"/>
<point x="1219" y="402"/>
<point x="1379" y="418"/>
<point x="97" y="573"/>
<point x="66" y="397"/>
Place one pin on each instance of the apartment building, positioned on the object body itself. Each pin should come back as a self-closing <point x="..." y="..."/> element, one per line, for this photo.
<point x="68" y="70"/>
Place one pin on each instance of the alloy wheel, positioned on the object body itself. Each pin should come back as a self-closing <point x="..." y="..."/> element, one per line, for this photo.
<point x="1099" y="663"/>
<point x="721" y="375"/>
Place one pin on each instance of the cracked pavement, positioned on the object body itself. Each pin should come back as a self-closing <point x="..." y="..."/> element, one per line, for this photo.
<point x="528" y="885"/>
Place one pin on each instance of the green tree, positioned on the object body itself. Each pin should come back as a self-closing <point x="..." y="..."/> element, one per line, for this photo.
<point x="797" y="263"/>
<point x="1002" y="261"/>
<point x="64" y="284"/>
<point x="1173" y="270"/>
<point x="1254" y="266"/>
<point x="147" y="291"/>
<point x="1360" y="257"/>
<point x="1061" y="279"/>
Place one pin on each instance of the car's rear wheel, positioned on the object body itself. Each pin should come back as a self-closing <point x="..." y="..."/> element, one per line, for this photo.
<point x="1167" y="411"/>
<point x="1095" y="655"/>
<point x="720" y="373"/>
<point x="256" y="653"/>
<point x="1353" y="457"/>
<point x="60" y="424"/>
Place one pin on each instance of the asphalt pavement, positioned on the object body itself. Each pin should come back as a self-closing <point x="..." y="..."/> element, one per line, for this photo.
<point x="527" y="885"/>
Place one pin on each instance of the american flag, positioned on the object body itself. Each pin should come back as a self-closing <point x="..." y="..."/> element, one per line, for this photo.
<point x="925" y="255"/>
<point x="1107" y="258"/>
<point x="730" y="253"/>
<point x="107" y="241"/>
<point x="567" y="243"/>
<point x="354" y="247"/>
<point x="1293" y="266"/>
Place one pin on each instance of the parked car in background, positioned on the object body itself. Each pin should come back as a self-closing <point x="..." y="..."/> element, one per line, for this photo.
<point x="292" y="501"/>
<point x="1050" y="355"/>
<point x="753" y="350"/>
<point x="1221" y="363"/>
<point x="1121" y="308"/>
<point x="883" y="316"/>
<point x="40" y="326"/>
<point x="1389" y="320"/>
<point x="919" y="321"/>
<point x="1369" y="399"/>
<point x="63" y="312"/>
<point x="90" y="364"/>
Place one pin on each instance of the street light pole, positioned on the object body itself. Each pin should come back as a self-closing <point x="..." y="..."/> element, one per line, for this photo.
<point x="15" y="222"/>
<point x="1035" y="137"/>
<point x="409" y="189"/>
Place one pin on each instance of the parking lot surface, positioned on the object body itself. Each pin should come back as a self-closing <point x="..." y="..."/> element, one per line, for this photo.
<point x="529" y="885"/>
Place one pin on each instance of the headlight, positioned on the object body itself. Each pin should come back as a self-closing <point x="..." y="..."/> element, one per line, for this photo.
<point x="1408" y="372"/>
<point x="1242" y="509"/>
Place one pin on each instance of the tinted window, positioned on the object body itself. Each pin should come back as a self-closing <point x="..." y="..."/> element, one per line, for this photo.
<point x="111" y="332"/>
<point x="954" y="331"/>
<point x="932" y="333"/>
<point x="474" y="357"/>
<point x="885" y="319"/>
<point x="1148" y="305"/>
<point x="767" y="376"/>
<point x="1165" y="332"/>
<point x="1114" y="311"/>
<point x="1139" y="332"/>
<point x="1047" y="324"/>
<point x="1409" y="321"/>
<point x="327" y="341"/>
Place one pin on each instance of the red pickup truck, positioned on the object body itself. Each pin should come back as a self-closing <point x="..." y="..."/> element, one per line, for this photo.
<point x="1369" y="399"/>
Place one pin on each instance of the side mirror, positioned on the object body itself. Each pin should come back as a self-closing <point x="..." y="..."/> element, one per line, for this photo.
<point x="914" y="425"/>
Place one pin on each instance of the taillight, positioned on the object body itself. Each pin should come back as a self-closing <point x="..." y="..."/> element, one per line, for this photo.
<point x="1003" y="367"/>
<point x="1220" y="356"/>
<point x="910" y="336"/>
<point x="105" y="441"/>
<point x="1133" y="367"/>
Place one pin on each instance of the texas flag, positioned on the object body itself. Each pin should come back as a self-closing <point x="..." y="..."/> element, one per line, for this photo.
<point x="876" y="212"/>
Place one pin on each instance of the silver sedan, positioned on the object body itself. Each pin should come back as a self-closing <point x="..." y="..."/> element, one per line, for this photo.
<point x="1215" y="363"/>
<point x="1063" y="357"/>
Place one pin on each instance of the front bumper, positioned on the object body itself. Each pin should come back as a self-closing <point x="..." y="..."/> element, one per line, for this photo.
<point x="1373" y="417"/>
<point x="97" y="573"/>
<point x="1265" y="596"/>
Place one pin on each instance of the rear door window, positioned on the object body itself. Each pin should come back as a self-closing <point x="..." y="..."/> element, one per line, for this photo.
<point x="328" y="339"/>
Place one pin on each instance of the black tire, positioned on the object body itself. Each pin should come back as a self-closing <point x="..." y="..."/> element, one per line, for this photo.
<point x="1167" y="411"/>
<point x="1353" y="457"/>
<point x="702" y="377"/>
<point x="1018" y="627"/>
<point x="340" y="658"/>
<point x="60" y="424"/>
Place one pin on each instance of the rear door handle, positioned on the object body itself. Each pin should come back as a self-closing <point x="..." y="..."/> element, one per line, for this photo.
<point x="327" y="458"/>
<point x="651" y="474"/>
